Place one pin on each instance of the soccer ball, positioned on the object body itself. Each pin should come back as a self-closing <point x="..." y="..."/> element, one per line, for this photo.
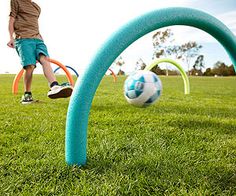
<point x="142" y="88"/>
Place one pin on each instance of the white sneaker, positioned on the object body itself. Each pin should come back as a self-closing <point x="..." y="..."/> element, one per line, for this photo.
<point x="60" y="91"/>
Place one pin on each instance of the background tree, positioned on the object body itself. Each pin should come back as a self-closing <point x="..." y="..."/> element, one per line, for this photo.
<point x="157" y="70"/>
<point x="188" y="51"/>
<point x="163" y="47"/>
<point x="231" y="70"/>
<point x="198" y="65"/>
<point x="162" y="42"/>
<point x="120" y="62"/>
<point x="208" y="72"/>
<point x="221" y="69"/>
<point x="140" y="65"/>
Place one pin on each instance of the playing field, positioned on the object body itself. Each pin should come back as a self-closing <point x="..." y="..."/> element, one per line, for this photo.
<point x="182" y="145"/>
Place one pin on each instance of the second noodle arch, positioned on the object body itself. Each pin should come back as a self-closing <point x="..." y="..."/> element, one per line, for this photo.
<point x="178" y="66"/>
<point x="67" y="66"/>
<point x="113" y="74"/>
<point x="76" y="73"/>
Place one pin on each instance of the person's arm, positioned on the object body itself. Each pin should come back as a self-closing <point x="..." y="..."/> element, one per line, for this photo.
<point x="14" y="7"/>
<point x="11" y="32"/>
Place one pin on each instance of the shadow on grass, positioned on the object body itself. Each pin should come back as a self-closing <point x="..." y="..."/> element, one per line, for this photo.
<point x="163" y="175"/>
<point x="219" y="119"/>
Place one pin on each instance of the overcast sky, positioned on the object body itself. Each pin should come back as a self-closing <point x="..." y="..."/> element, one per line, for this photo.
<point x="73" y="30"/>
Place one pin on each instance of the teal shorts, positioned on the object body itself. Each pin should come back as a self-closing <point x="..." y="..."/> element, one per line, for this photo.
<point x="29" y="50"/>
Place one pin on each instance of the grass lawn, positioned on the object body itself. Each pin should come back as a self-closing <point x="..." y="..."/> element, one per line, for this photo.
<point x="182" y="145"/>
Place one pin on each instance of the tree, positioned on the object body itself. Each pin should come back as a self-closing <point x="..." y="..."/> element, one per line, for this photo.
<point x="220" y="69"/>
<point x="231" y="70"/>
<point x="175" y="50"/>
<point x="120" y="62"/>
<point x="198" y="65"/>
<point x="157" y="70"/>
<point x="121" y="72"/>
<point x="161" y="42"/>
<point x="188" y="51"/>
<point x="140" y="65"/>
<point x="208" y="72"/>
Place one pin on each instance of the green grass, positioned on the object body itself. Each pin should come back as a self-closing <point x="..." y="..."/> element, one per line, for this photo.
<point x="182" y="145"/>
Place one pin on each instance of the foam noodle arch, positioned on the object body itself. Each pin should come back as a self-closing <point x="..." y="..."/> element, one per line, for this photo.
<point x="179" y="67"/>
<point x="86" y="86"/>
<point x="21" y="72"/>
<point x="67" y="66"/>
<point x="76" y="73"/>
<point x="113" y="74"/>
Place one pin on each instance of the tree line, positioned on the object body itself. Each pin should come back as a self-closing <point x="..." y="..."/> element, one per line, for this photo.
<point x="164" y="47"/>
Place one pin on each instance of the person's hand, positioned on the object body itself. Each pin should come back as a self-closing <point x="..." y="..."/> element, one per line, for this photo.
<point x="11" y="43"/>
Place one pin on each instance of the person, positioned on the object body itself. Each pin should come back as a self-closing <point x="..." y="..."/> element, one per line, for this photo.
<point x="28" y="42"/>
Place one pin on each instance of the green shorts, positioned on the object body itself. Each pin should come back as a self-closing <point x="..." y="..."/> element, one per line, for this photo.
<point x="29" y="50"/>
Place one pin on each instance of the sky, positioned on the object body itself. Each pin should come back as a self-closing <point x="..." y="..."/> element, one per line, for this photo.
<point x="74" y="30"/>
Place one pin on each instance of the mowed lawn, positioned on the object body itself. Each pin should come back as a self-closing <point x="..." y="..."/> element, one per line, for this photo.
<point x="182" y="145"/>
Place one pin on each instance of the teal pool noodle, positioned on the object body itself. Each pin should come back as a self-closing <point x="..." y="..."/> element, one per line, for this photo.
<point x="87" y="84"/>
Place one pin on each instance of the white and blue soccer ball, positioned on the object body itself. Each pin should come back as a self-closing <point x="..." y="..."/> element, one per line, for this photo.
<point x="142" y="88"/>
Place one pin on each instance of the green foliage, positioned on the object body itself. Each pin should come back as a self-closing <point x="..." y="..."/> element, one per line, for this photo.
<point x="140" y="65"/>
<point x="161" y="43"/>
<point x="163" y="47"/>
<point x="199" y="63"/>
<point x="182" y="145"/>
<point x="220" y="69"/>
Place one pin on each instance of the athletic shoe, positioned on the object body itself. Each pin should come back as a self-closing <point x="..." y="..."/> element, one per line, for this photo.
<point x="27" y="99"/>
<point x="60" y="91"/>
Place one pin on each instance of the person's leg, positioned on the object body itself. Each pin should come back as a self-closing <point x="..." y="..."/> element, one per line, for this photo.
<point x="56" y="90"/>
<point x="26" y="50"/>
<point x="47" y="70"/>
<point x="28" y="77"/>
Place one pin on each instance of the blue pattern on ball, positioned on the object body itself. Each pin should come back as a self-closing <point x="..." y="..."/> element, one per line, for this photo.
<point x="134" y="87"/>
<point x="131" y="94"/>
<point x="142" y="88"/>
<point x="153" y="97"/>
<point x="155" y="78"/>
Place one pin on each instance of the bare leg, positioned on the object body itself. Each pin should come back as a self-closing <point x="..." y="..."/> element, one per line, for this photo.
<point x="28" y="77"/>
<point x="56" y="91"/>
<point x="47" y="69"/>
